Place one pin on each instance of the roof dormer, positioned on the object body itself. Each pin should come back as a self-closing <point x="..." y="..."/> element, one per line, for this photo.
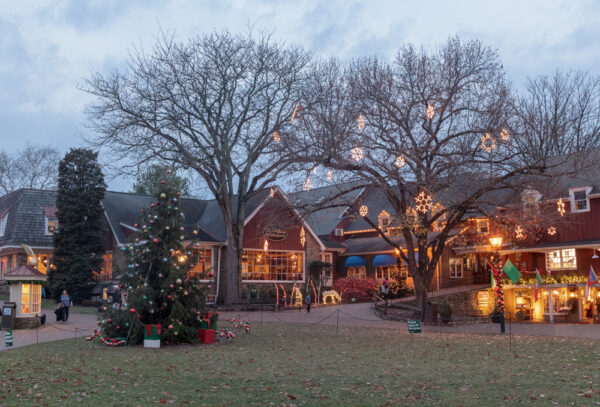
<point x="580" y="199"/>
<point x="3" y="221"/>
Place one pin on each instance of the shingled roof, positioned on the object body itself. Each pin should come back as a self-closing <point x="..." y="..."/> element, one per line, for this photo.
<point x="25" y="273"/>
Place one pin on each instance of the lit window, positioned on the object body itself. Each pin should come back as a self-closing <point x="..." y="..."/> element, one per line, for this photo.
<point x="357" y="272"/>
<point x="51" y="225"/>
<point x="561" y="259"/>
<point x="261" y="265"/>
<point x="203" y="263"/>
<point x="3" y="221"/>
<point x="107" y="271"/>
<point x="580" y="201"/>
<point x="456" y="267"/>
<point x="31" y="297"/>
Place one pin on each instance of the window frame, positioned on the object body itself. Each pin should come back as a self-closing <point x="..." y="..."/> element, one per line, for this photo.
<point x="454" y="271"/>
<point x="258" y="252"/>
<point x="480" y="228"/>
<point x="573" y="201"/>
<point x="46" y="222"/>
<point x="550" y="263"/>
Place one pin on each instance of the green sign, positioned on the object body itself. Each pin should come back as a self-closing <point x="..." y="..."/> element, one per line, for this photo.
<point x="414" y="327"/>
<point x="8" y="338"/>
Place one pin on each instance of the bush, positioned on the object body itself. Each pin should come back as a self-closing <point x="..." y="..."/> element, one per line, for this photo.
<point x="352" y="287"/>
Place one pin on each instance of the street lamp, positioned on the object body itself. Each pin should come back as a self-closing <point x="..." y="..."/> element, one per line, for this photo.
<point x="496" y="243"/>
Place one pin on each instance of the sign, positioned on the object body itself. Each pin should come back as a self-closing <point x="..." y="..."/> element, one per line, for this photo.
<point x="8" y="339"/>
<point x="483" y="299"/>
<point x="7" y="311"/>
<point x="274" y="233"/>
<point x="414" y="327"/>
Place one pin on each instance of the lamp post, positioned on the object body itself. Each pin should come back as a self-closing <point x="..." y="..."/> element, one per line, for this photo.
<point x="496" y="243"/>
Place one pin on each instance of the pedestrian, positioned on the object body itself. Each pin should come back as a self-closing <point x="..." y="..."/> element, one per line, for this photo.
<point x="307" y="300"/>
<point x="65" y="300"/>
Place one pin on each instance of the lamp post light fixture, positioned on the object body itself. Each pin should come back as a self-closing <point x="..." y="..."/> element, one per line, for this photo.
<point x="496" y="243"/>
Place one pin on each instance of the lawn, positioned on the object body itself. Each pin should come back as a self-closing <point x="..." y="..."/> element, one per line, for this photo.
<point x="48" y="304"/>
<point x="280" y="364"/>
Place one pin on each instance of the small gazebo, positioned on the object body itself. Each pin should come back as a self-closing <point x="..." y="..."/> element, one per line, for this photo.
<point x="26" y="292"/>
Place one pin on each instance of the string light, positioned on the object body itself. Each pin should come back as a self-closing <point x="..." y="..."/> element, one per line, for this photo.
<point x="519" y="233"/>
<point x="308" y="185"/>
<point x="314" y="170"/>
<point x="488" y="143"/>
<point x="357" y="154"/>
<point x="430" y="111"/>
<point x="423" y="202"/>
<point x="266" y="246"/>
<point x="276" y="137"/>
<point x="504" y="136"/>
<point x="329" y="175"/>
<point x="361" y="122"/>
<point x="363" y="210"/>
<point x="272" y="192"/>
<point x="560" y="206"/>
<point x="295" y="112"/>
<point x="302" y="236"/>
<point x="551" y="230"/>
<point x="400" y="161"/>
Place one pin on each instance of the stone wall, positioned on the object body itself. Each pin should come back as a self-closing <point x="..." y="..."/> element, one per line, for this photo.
<point x="27" y="322"/>
<point x="465" y="303"/>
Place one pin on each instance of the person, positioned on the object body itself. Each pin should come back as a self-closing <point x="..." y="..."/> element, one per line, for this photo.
<point x="59" y="312"/>
<point x="307" y="300"/>
<point x="65" y="300"/>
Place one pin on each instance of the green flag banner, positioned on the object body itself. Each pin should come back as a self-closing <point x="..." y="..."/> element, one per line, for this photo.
<point x="511" y="271"/>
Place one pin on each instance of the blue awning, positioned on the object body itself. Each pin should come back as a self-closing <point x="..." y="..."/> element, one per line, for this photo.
<point x="384" y="260"/>
<point x="355" y="261"/>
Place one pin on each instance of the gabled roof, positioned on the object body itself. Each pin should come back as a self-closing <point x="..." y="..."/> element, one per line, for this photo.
<point x="26" y="220"/>
<point x="25" y="273"/>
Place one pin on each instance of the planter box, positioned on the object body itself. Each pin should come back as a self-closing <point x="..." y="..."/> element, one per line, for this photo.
<point x="206" y="335"/>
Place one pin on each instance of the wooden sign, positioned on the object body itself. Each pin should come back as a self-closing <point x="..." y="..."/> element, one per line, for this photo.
<point x="274" y="233"/>
<point x="8" y="339"/>
<point x="414" y="327"/>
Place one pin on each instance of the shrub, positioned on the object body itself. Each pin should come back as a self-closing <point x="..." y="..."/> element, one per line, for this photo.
<point x="352" y="287"/>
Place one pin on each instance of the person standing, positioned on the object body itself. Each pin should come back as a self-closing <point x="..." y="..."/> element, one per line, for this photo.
<point x="65" y="300"/>
<point x="307" y="300"/>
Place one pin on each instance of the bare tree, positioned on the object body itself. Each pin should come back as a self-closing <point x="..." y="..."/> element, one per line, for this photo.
<point x="434" y="132"/>
<point x="217" y="105"/>
<point x="35" y="166"/>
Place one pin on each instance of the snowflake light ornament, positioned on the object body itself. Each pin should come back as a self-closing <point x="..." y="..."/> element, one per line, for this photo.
<point x="361" y="122"/>
<point x="423" y="202"/>
<point x="504" y="136"/>
<point x="357" y="154"/>
<point x="276" y="137"/>
<point x="430" y="112"/>
<point x="363" y="210"/>
<point x="308" y="185"/>
<point x="488" y="143"/>
<point x="560" y="207"/>
<point x="551" y="230"/>
<point x="330" y="175"/>
<point x="400" y="161"/>
<point x="519" y="233"/>
<point x="266" y="245"/>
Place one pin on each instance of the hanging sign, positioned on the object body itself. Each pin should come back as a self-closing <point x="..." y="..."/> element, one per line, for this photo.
<point x="8" y="339"/>
<point x="274" y="233"/>
<point x="414" y="327"/>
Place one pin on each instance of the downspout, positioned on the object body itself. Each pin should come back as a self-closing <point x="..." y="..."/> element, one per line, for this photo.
<point x="218" y="273"/>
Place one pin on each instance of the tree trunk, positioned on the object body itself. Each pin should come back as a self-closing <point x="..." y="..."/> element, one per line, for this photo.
<point x="421" y="292"/>
<point x="233" y="271"/>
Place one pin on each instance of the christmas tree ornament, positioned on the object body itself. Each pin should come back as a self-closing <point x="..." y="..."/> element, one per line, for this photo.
<point x="178" y="281"/>
<point x="163" y="196"/>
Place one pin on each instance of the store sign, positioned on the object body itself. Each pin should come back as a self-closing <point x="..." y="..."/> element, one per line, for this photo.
<point x="274" y="233"/>
<point x="483" y="299"/>
<point x="8" y="338"/>
<point x="414" y="327"/>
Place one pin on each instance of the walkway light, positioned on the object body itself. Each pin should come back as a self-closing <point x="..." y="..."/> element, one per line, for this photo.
<point x="496" y="242"/>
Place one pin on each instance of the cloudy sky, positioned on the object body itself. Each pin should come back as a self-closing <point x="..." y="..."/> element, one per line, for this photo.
<point x="48" y="47"/>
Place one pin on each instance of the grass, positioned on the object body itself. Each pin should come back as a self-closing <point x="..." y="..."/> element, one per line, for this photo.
<point x="51" y="305"/>
<point x="280" y="364"/>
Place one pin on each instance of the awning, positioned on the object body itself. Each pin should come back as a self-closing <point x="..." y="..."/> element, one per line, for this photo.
<point x="355" y="261"/>
<point x="384" y="260"/>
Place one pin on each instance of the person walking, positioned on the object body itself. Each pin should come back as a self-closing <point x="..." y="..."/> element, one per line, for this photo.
<point x="307" y="300"/>
<point x="65" y="300"/>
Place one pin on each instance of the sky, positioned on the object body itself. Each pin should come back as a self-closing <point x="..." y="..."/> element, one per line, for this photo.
<point x="48" y="48"/>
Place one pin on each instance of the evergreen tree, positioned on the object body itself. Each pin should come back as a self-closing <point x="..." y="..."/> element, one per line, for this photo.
<point x="148" y="181"/>
<point x="78" y="243"/>
<point x="159" y="287"/>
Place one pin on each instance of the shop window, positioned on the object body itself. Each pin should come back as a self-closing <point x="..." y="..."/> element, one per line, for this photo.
<point x="51" y="225"/>
<point x="559" y="301"/>
<point x="456" y="267"/>
<point x="483" y="226"/>
<point x="561" y="259"/>
<point x="30" y="298"/>
<point x="261" y="265"/>
<point x="357" y="272"/>
<point x="3" y="222"/>
<point x="203" y="264"/>
<point x="580" y="201"/>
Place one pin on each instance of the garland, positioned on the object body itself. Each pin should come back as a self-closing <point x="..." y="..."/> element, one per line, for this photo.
<point x="39" y="282"/>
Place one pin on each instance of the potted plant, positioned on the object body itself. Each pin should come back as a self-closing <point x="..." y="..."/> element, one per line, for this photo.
<point x="445" y="311"/>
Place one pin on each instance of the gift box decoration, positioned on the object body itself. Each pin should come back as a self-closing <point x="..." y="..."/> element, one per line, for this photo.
<point x="152" y="335"/>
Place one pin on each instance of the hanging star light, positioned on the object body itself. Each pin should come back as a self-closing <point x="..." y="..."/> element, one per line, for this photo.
<point x="357" y="154"/>
<point x="361" y="122"/>
<point x="560" y="207"/>
<point x="302" y="237"/>
<point x="423" y="202"/>
<point x="519" y="233"/>
<point x="266" y="245"/>
<point x="330" y="175"/>
<point x="308" y="185"/>
<point x="551" y="230"/>
<point x="363" y="210"/>
<point x="430" y="111"/>
<point x="400" y="161"/>
<point x="276" y="137"/>
<point x="488" y="143"/>
<point x="504" y="136"/>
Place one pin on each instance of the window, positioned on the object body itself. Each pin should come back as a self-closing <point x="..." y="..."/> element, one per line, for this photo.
<point x="327" y="258"/>
<point x="357" y="272"/>
<point x="31" y="297"/>
<point x="3" y="221"/>
<point x="561" y="259"/>
<point x="51" y="225"/>
<point x="483" y="226"/>
<point x="580" y="201"/>
<point x="203" y="264"/>
<point x="107" y="267"/>
<point x="261" y="265"/>
<point x="456" y="267"/>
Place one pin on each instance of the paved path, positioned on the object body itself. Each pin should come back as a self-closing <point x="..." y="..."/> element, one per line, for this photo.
<point x="79" y="325"/>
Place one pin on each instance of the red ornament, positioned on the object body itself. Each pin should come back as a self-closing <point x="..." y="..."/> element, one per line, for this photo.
<point x="152" y="205"/>
<point x="132" y="310"/>
<point x="118" y="327"/>
<point x="109" y="320"/>
<point x="170" y="285"/>
<point x="211" y="274"/>
<point x="169" y="297"/>
<point x="162" y="181"/>
<point x="155" y="240"/>
<point x="178" y="193"/>
<point x="135" y="225"/>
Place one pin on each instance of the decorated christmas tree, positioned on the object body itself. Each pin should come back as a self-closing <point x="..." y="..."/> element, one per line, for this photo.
<point x="159" y="287"/>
